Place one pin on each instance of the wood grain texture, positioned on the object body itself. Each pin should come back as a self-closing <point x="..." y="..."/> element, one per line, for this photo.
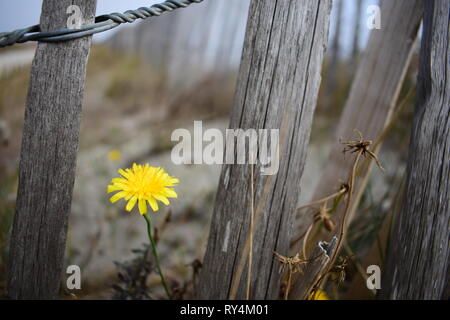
<point x="418" y="259"/>
<point x="371" y="100"/>
<point x="48" y="157"/>
<point x="277" y="88"/>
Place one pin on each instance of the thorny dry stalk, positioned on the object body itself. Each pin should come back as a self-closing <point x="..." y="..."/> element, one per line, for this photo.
<point x="339" y="270"/>
<point x="387" y="129"/>
<point x="342" y="227"/>
<point x="305" y="239"/>
<point x="374" y="146"/>
<point x="321" y="216"/>
<point x="335" y="196"/>
<point x="360" y="147"/>
<point x="342" y="190"/>
<point x="294" y="265"/>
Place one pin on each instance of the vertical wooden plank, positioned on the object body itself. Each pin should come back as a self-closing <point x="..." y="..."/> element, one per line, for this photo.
<point x="418" y="259"/>
<point x="48" y="157"/>
<point x="277" y="89"/>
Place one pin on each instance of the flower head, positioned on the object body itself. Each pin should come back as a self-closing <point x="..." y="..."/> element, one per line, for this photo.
<point x="143" y="184"/>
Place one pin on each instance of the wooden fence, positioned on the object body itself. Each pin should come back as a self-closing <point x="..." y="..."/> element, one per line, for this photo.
<point x="278" y="85"/>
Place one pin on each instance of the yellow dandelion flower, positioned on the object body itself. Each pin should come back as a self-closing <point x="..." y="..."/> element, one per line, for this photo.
<point x="318" y="295"/>
<point x="142" y="184"/>
<point x="114" y="155"/>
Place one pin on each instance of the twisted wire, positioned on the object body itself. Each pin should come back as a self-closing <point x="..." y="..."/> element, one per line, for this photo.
<point x="102" y="23"/>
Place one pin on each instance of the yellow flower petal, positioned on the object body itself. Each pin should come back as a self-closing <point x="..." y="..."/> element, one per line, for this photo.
<point x="142" y="206"/>
<point x="131" y="203"/>
<point x="162" y="199"/>
<point x="112" y="188"/>
<point x="129" y="196"/>
<point x="124" y="173"/>
<point x="119" y="181"/>
<point x="153" y="204"/>
<point x="118" y="196"/>
<point x="170" y="193"/>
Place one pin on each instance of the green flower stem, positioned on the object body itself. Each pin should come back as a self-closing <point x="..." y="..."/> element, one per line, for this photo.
<point x="155" y="254"/>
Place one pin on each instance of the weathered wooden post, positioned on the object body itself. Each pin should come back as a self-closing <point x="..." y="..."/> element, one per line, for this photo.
<point x="369" y="107"/>
<point x="48" y="157"/>
<point x="277" y="89"/>
<point x="418" y="259"/>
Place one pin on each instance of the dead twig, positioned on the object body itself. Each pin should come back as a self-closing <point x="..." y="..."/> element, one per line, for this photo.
<point x="360" y="148"/>
<point x="294" y="265"/>
<point x="322" y="215"/>
<point x="342" y="190"/>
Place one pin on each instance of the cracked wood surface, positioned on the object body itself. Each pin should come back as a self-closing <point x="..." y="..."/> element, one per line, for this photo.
<point x="418" y="260"/>
<point x="48" y="157"/>
<point x="277" y="88"/>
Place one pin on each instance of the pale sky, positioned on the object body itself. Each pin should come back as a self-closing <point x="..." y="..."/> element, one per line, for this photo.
<point x="15" y="14"/>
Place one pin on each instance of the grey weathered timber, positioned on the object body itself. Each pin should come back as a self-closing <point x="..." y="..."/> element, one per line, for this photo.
<point x="277" y="88"/>
<point x="418" y="259"/>
<point x="372" y="97"/>
<point x="370" y="104"/>
<point x="48" y="157"/>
